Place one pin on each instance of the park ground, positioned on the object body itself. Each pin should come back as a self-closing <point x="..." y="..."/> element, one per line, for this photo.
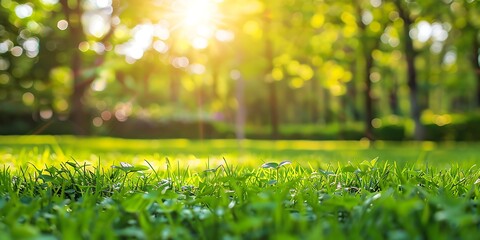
<point x="110" y="188"/>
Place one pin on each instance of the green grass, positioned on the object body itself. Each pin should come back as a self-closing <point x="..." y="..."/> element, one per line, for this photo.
<point x="103" y="188"/>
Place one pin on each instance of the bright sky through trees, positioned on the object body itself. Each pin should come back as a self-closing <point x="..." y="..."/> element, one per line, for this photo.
<point x="198" y="20"/>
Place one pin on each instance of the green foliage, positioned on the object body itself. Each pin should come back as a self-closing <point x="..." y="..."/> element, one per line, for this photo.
<point x="392" y="132"/>
<point x="50" y="58"/>
<point x="459" y="128"/>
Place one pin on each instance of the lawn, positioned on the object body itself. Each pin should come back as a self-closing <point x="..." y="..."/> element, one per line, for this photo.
<point x="105" y="188"/>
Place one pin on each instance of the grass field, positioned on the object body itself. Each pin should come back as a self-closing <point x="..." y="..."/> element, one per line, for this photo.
<point x="104" y="188"/>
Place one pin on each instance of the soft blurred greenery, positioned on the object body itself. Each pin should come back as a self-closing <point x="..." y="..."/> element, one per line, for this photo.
<point x="142" y="68"/>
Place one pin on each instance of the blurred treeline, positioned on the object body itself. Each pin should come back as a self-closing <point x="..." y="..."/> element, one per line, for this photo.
<point x="315" y="69"/>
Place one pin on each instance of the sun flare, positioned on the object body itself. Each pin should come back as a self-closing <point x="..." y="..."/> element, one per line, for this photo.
<point x="196" y="20"/>
<point x="196" y="16"/>
<point x="199" y="13"/>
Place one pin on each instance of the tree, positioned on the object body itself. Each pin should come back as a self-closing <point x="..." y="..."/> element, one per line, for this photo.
<point x="464" y="16"/>
<point x="83" y="76"/>
<point x="410" y="56"/>
<point x="272" y="85"/>
<point x="299" y="61"/>
<point x="369" y="39"/>
<point x="25" y="90"/>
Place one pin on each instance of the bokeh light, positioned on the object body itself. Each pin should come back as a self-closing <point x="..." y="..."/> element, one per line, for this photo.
<point x="23" y="10"/>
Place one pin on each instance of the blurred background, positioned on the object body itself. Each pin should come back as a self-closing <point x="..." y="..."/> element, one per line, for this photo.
<point x="283" y="69"/>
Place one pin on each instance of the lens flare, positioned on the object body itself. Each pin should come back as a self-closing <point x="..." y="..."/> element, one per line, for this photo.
<point x="196" y="18"/>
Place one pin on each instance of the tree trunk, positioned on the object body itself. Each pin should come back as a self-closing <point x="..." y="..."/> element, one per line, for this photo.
<point x="369" y="61"/>
<point x="368" y="96"/>
<point x="413" y="86"/>
<point x="352" y="92"/>
<point x="174" y="84"/>
<point x="200" y="102"/>
<point x="393" y="98"/>
<point x="476" y="63"/>
<point x="314" y="100"/>
<point x="215" y="79"/>
<point x="322" y="105"/>
<point x="424" y="91"/>
<point x="146" y="83"/>
<point x="78" y="113"/>
<point x="241" y="110"/>
<point x="410" y="55"/>
<point x="328" y="113"/>
<point x="271" y="83"/>
<point x="273" y="109"/>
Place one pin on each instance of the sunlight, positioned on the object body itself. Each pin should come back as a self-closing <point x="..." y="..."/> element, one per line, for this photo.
<point x="197" y="19"/>
<point x="196" y="14"/>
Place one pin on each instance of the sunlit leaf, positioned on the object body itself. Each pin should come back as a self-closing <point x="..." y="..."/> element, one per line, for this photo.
<point x="46" y="178"/>
<point x="136" y="203"/>
<point x="139" y="168"/>
<point x="270" y="165"/>
<point x="210" y="170"/>
<point x="72" y="164"/>
<point x="284" y="163"/>
<point x="349" y="168"/>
